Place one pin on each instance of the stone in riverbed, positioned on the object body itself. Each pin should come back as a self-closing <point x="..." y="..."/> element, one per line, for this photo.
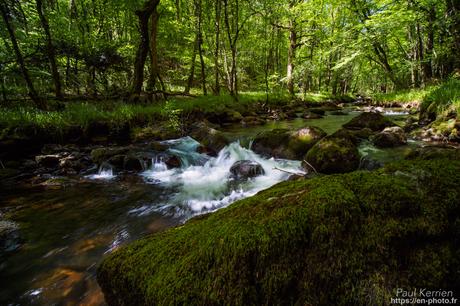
<point x="209" y="137"/>
<point x="48" y="161"/>
<point x="304" y="139"/>
<point x="283" y="143"/>
<point x="101" y="155"/>
<point x="244" y="169"/>
<point x="390" y="137"/>
<point x="9" y="236"/>
<point x="333" y="155"/>
<point x="371" y="120"/>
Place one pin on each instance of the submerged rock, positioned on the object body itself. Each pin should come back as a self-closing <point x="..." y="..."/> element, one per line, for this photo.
<point x="370" y="120"/>
<point x="334" y="154"/>
<point x="244" y="169"/>
<point x="390" y="137"/>
<point x="333" y="240"/>
<point x="9" y="236"/>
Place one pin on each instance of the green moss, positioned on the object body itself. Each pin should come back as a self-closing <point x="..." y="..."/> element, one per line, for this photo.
<point x="336" y="240"/>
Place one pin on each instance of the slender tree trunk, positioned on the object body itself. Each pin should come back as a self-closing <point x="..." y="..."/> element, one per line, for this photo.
<point x="50" y="50"/>
<point x="192" y="68"/>
<point x="20" y="59"/>
<point x="155" y="69"/>
<point x="200" y="47"/>
<point x="216" y="51"/>
<point x="427" y="64"/>
<point x="291" y="58"/>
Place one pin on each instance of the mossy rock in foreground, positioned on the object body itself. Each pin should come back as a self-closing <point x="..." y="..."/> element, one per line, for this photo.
<point x="349" y="239"/>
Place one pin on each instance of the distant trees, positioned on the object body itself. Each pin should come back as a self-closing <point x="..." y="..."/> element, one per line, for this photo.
<point x="95" y="49"/>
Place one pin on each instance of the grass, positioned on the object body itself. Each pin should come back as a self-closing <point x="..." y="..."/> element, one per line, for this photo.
<point x="440" y="100"/>
<point x="403" y="96"/>
<point x="117" y="113"/>
<point x="444" y="100"/>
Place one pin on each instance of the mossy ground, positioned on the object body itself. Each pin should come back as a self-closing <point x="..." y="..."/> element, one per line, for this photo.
<point x="348" y="239"/>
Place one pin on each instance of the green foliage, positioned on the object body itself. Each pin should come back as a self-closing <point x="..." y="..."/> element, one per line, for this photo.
<point x="336" y="240"/>
<point x="443" y="100"/>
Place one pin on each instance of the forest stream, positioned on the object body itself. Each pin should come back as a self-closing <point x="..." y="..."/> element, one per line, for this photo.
<point x="81" y="223"/>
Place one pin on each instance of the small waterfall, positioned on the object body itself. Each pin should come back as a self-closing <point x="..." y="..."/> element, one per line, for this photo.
<point x="105" y="172"/>
<point x="158" y="164"/>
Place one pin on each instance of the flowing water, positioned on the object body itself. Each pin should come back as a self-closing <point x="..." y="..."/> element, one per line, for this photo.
<point x="66" y="231"/>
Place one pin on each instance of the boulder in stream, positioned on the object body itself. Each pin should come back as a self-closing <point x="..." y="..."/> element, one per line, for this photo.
<point x="244" y="169"/>
<point x="9" y="236"/>
<point x="390" y="137"/>
<point x="333" y="155"/>
<point x="209" y="137"/>
<point x="372" y="120"/>
<point x="283" y="143"/>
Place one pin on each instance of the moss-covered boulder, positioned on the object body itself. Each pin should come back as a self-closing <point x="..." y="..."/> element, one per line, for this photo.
<point x="333" y="154"/>
<point x="370" y="120"/>
<point x="304" y="139"/>
<point x="209" y="137"/>
<point x="273" y="143"/>
<point x="390" y="137"/>
<point x="283" y="143"/>
<point x="349" y="239"/>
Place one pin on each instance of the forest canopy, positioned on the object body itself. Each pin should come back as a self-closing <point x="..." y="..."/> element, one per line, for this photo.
<point x="111" y="49"/>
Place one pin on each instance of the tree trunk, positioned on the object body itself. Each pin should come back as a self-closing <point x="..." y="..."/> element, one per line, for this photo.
<point x="216" y="51"/>
<point x="453" y="13"/>
<point x="20" y="59"/>
<point x="200" y="48"/>
<point x="291" y="58"/>
<point x="192" y="68"/>
<point x="50" y="50"/>
<point x="143" y="48"/>
<point x="155" y="70"/>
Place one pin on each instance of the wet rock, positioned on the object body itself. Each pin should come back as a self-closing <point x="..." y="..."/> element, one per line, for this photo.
<point x="56" y="182"/>
<point x="273" y="143"/>
<point x="355" y="136"/>
<point x="304" y="139"/>
<point x="205" y="150"/>
<point x="333" y="155"/>
<point x="338" y="113"/>
<point x="9" y="236"/>
<point x="435" y="152"/>
<point x="317" y="111"/>
<point x="252" y="120"/>
<point x="390" y="137"/>
<point x="245" y="169"/>
<point x="369" y="164"/>
<point x="173" y="162"/>
<point x="311" y="115"/>
<point x="133" y="163"/>
<point x="100" y="155"/>
<point x="154" y="133"/>
<point x="117" y="161"/>
<point x="370" y="120"/>
<point x="209" y="137"/>
<point x="48" y="161"/>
